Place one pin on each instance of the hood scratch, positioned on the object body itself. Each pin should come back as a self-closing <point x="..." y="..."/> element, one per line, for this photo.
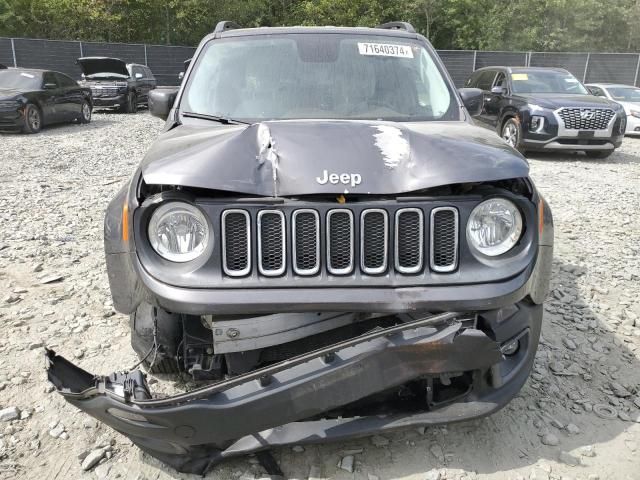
<point x="393" y="146"/>
<point x="267" y="153"/>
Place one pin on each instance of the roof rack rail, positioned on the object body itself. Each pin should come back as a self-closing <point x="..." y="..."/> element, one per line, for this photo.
<point x="225" y="25"/>
<point x="406" y="26"/>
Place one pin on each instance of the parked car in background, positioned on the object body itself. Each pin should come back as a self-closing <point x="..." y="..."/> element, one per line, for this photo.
<point x="30" y="99"/>
<point x="3" y="67"/>
<point x="626" y="95"/>
<point x="322" y="232"/>
<point x="116" y="84"/>
<point x="535" y="108"/>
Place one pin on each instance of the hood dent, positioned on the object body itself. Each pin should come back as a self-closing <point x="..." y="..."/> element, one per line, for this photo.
<point x="293" y="158"/>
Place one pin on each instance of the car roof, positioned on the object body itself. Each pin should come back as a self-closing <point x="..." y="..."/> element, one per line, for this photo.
<point x="524" y="69"/>
<point x="31" y="70"/>
<point x="238" y="32"/>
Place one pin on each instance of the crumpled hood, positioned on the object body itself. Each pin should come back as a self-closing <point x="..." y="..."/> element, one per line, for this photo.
<point x="9" y="93"/>
<point x="93" y="65"/>
<point x="290" y="158"/>
<point x="558" y="100"/>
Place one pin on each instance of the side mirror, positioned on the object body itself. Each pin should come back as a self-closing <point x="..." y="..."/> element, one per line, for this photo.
<point x="472" y="99"/>
<point x="499" y="91"/>
<point x="161" y="101"/>
<point x="50" y="86"/>
<point x="139" y="76"/>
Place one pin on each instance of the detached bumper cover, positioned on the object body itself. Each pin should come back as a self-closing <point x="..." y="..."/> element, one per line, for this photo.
<point x="272" y="406"/>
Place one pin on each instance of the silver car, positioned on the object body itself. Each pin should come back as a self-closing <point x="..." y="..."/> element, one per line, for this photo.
<point x="626" y="95"/>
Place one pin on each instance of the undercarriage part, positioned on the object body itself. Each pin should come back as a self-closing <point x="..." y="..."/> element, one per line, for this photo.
<point x="198" y="358"/>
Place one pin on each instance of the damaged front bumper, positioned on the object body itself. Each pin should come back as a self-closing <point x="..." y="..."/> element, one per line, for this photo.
<point x="287" y="402"/>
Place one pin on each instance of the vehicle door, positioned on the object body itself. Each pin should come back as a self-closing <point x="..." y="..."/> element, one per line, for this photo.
<point x="496" y="98"/>
<point x="153" y="83"/>
<point x="50" y="98"/>
<point x="142" y="85"/>
<point x="484" y="83"/>
<point x="70" y="97"/>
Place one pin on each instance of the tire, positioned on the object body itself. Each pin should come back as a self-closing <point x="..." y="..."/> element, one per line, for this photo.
<point x="598" y="153"/>
<point x="511" y="132"/>
<point x="32" y="119"/>
<point x="132" y="103"/>
<point x="85" y="112"/>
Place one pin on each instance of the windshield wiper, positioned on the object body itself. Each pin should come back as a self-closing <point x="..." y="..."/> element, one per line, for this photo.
<point x="213" y="118"/>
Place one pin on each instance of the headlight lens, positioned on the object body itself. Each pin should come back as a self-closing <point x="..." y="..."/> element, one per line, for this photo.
<point x="494" y="227"/>
<point x="178" y="231"/>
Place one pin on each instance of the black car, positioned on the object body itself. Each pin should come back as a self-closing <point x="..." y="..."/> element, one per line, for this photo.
<point x="30" y="99"/>
<point x="322" y="233"/>
<point x="116" y="84"/>
<point x="535" y="108"/>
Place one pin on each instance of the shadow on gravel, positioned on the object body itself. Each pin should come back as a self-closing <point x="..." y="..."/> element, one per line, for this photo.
<point x="581" y="392"/>
<point x="616" y="157"/>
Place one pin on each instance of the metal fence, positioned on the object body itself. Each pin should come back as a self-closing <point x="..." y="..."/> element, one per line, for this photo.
<point x="166" y="62"/>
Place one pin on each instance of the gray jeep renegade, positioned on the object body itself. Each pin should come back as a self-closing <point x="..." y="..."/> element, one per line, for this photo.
<point x="324" y="241"/>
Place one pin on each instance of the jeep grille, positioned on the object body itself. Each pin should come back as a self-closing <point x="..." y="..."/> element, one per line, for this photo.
<point x="586" y="118"/>
<point x="340" y="240"/>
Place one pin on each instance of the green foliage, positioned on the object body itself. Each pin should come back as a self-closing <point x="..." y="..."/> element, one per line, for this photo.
<point x="547" y="25"/>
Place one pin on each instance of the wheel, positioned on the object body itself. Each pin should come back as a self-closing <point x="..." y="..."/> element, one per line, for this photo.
<point x="132" y="103"/>
<point x="512" y="133"/>
<point x="85" y="112"/>
<point x="32" y="119"/>
<point x="598" y="153"/>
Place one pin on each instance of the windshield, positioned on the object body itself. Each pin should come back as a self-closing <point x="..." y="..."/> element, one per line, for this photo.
<point x="300" y="76"/>
<point x="625" y="94"/>
<point x="546" y="82"/>
<point x="19" y="79"/>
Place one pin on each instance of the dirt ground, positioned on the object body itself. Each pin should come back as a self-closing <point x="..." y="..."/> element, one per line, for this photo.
<point x="577" y="417"/>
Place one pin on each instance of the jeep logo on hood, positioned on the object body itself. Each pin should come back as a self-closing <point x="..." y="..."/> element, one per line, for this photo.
<point x="352" y="179"/>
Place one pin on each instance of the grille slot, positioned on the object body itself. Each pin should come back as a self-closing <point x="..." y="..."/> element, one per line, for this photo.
<point x="271" y="243"/>
<point x="374" y="240"/>
<point x="306" y="242"/>
<point x="409" y="253"/>
<point x="236" y="240"/>
<point x="586" y="118"/>
<point x="340" y="241"/>
<point x="444" y="239"/>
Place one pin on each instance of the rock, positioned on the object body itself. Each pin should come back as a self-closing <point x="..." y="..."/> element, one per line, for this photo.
<point x="297" y="448"/>
<point x="572" y="429"/>
<point x="346" y="463"/>
<point x="379" y="441"/>
<point x="550" y="439"/>
<point x="618" y="390"/>
<point x="436" y="451"/>
<point x="570" y="344"/>
<point x="371" y="476"/>
<point x="631" y="445"/>
<point x="593" y="476"/>
<point x="315" y="472"/>
<point x="34" y="345"/>
<point x="57" y="431"/>
<point x="433" y="475"/>
<point x="9" y="413"/>
<point x="636" y="402"/>
<point x="51" y="279"/>
<point x="9" y="299"/>
<point x="569" y="459"/>
<point x="102" y="471"/>
<point x="92" y="459"/>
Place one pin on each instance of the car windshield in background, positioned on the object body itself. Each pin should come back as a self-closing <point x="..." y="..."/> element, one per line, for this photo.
<point x="19" y="79"/>
<point x="307" y="76"/>
<point x="546" y="82"/>
<point x="625" y="94"/>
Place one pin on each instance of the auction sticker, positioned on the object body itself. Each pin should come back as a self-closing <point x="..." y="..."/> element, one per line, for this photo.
<point x="385" y="50"/>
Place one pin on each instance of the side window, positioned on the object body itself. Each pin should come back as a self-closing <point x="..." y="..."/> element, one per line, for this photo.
<point x="137" y="70"/>
<point x="149" y="73"/>
<point x="49" y="77"/>
<point x="501" y="80"/>
<point x="65" y="81"/>
<point x="486" y="80"/>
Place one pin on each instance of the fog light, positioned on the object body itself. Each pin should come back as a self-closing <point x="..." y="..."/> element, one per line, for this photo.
<point x="510" y="348"/>
<point x="537" y="123"/>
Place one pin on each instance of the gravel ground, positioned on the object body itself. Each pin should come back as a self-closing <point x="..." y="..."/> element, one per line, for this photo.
<point x="54" y="291"/>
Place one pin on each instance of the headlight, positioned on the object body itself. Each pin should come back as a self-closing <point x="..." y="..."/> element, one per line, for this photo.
<point x="494" y="227"/>
<point x="178" y="231"/>
<point x="537" y="124"/>
<point x="634" y="113"/>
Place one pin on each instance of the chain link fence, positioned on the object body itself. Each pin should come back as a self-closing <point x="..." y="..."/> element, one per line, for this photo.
<point x="166" y="61"/>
